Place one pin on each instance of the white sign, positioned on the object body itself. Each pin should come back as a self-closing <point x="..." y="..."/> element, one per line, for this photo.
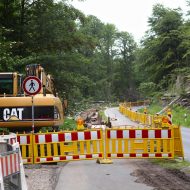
<point x="32" y="85"/>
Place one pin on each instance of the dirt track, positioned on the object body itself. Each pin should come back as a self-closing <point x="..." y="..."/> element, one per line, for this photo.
<point x="161" y="178"/>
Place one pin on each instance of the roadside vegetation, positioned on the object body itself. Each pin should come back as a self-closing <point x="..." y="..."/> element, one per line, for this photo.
<point x="180" y="115"/>
<point x="173" y="164"/>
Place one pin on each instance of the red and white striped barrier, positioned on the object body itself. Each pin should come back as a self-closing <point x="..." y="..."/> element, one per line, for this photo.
<point x="139" y="133"/>
<point x="23" y="139"/>
<point x="10" y="164"/>
<point x="68" y="158"/>
<point x="68" y="136"/>
<point x="10" y="139"/>
<point x="140" y="155"/>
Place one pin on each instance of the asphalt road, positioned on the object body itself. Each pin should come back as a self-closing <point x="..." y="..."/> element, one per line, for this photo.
<point x="121" y="120"/>
<point x="88" y="175"/>
<point x="186" y="142"/>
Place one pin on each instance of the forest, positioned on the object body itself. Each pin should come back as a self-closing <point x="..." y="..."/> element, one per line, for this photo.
<point x="91" y="60"/>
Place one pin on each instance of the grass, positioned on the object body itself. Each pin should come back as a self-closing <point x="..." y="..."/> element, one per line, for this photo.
<point x="102" y="114"/>
<point x="172" y="164"/>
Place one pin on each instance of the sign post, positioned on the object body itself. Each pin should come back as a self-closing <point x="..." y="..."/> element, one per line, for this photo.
<point x="32" y="86"/>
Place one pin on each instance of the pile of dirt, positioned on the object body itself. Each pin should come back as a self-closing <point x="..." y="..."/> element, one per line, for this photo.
<point x="161" y="178"/>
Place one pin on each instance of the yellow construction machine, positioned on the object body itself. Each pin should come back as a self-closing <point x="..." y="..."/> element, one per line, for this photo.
<point x="16" y="106"/>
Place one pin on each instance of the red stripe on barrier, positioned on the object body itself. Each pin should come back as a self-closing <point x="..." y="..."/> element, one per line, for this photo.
<point x="109" y="155"/>
<point x="132" y="155"/>
<point x="108" y="134"/>
<point x="87" y="135"/>
<point x="62" y="158"/>
<point x="37" y="159"/>
<point x="145" y="155"/>
<point x="158" y="155"/>
<point x="15" y="168"/>
<point x="157" y="133"/>
<point x="28" y="139"/>
<point x="18" y="139"/>
<point x="11" y="165"/>
<point x="48" y="138"/>
<point x="170" y="155"/>
<point x="99" y="134"/>
<point x="144" y="133"/>
<point x="89" y="156"/>
<point x="120" y="155"/>
<point x="3" y="172"/>
<point x="119" y="134"/>
<point x="169" y="133"/>
<point x="100" y="155"/>
<point x="61" y="137"/>
<point x="36" y="139"/>
<point x="6" y="164"/>
<point x="132" y="133"/>
<point x="49" y="159"/>
<point x="74" y="136"/>
<point x="75" y="157"/>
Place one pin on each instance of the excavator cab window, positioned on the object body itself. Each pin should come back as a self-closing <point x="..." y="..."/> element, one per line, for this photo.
<point x="6" y="84"/>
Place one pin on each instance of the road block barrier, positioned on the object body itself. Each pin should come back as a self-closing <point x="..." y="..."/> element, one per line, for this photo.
<point x="67" y="146"/>
<point x="10" y="163"/>
<point x="139" y="143"/>
<point x="26" y="147"/>
<point x="12" y="174"/>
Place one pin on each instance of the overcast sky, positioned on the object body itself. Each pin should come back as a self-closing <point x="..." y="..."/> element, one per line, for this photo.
<point x="127" y="15"/>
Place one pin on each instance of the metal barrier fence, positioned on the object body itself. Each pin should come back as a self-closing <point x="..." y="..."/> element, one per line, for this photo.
<point x="67" y="146"/>
<point x="26" y="147"/>
<point x="154" y="121"/>
<point x="92" y="144"/>
<point x="12" y="176"/>
<point x="139" y="143"/>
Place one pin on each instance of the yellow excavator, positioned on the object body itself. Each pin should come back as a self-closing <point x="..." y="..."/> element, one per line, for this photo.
<point x="16" y="106"/>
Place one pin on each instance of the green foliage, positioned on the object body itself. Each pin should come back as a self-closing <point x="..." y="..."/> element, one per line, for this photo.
<point x="69" y="124"/>
<point x="147" y="88"/>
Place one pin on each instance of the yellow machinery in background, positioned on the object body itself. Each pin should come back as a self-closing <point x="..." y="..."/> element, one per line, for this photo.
<point x="16" y="107"/>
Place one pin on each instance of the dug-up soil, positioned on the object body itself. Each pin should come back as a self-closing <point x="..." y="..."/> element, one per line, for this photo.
<point x="161" y="178"/>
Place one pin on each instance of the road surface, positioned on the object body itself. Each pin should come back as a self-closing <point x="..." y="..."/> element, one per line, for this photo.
<point x="186" y="142"/>
<point x="88" y="175"/>
<point x="121" y="120"/>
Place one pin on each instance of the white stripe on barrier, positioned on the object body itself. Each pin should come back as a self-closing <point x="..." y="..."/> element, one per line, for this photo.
<point x="164" y="133"/>
<point x="68" y="137"/>
<point x="41" y="139"/>
<point x="151" y="134"/>
<point x="81" y="136"/>
<point x="126" y="134"/>
<point x="94" y="135"/>
<point x="55" y="138"/>
<point x="138" y="133"/>
<point x="23" y="139"/>
<point x="82" y="156"/>
<point x="113" y="135"/>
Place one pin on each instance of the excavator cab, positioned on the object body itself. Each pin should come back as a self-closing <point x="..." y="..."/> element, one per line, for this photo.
<point x="10" y="84"/>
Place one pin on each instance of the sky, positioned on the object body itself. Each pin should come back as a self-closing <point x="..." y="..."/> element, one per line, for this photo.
<point x="126" y="15"/>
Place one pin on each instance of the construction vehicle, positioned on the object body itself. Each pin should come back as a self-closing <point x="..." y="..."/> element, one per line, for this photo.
<point x="16" y="106"/>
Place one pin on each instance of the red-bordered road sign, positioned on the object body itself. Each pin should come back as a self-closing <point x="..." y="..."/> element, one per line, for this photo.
<point x="32" y="85"/>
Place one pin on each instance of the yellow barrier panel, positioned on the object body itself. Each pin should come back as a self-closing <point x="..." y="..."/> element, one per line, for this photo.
<point x="26" y="147"/>
<point x="68" y="146"/>
<point x="178" y="144"/>
<point x="139" y="143"/>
